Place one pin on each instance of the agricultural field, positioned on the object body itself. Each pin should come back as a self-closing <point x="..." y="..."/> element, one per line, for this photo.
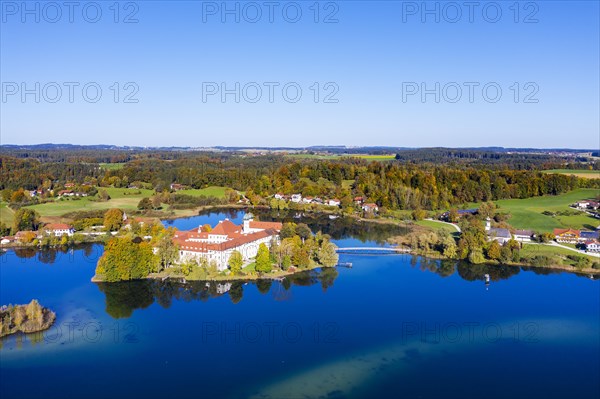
<point x="112" y="166"/>
<point x="126" y="199"/>
<point x="527" y="213"/>
<point x="6" y="214"/>
<point x="586" y="174"/>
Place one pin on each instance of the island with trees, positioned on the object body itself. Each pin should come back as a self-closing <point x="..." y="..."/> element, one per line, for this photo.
<point x="157" y="256"/>
<point x="27" y="319"/>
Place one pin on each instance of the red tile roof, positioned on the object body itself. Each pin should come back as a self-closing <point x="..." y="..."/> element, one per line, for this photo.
<point x="239" y="240"/>
<point x="265" y="225"/>
<point x="58" y="226"/>
<point x="225" y="227"/>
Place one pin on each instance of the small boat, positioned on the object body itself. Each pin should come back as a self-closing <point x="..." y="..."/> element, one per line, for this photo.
<point x="487" y="278"/>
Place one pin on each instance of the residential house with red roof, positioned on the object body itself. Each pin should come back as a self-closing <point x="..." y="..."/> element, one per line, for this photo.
<point x="59" y="229"/>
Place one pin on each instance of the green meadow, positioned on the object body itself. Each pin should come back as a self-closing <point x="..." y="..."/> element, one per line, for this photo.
<point x="126" y="199"/>
<point x="6" y="214"/>
<point x="527" y="213"/>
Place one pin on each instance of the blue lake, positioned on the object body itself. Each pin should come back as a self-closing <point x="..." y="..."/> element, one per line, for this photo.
<point x="391" y="326"/>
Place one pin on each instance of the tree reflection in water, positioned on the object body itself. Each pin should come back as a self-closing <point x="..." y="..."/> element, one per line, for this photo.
<point x="122" y="298"/>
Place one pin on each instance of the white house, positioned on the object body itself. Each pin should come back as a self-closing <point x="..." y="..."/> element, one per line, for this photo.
<point x="59" y="229"/>
<point x="371" y="207"/>
<point x="592" y="246"/>
<point x="278" y="196"/>
<point x="7" y="240"/>
<point x="307" y="200"/>
<point x="523" y="235"/>
<point x="218" y="244"/>
<point x="296" y="198"/>
<point x="334" y="202"/>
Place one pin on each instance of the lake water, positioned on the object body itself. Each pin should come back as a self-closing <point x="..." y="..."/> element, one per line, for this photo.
<point x="391" y="326"/>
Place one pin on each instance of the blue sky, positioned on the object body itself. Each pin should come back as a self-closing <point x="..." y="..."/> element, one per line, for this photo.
<point x="361" y="68"/>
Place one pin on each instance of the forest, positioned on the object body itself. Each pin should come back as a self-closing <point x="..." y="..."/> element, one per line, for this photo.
<point x="418" y="179"/>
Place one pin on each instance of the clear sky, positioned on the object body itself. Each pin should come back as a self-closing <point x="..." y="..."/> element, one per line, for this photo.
<point x="394" y="73"/>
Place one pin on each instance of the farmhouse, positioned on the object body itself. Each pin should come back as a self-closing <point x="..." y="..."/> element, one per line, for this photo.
<point x="296" y="198"/>
<point x="59" y="229"/>
<point x="218" y="244"/>
<point x="592" y="246"/>
<point x="569" y="236"/>
<point x="66" y="193"/>
<point x="371" y="207"/>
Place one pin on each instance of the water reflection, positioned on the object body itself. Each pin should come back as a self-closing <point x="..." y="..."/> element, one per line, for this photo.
<point x="337" y="227"/>
<point x="123" y="298"/>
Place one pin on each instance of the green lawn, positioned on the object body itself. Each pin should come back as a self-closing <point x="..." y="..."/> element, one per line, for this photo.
<point x="212" y="191"/>
<point x="589" y="174"/>
<point x="112" y="166"/>
<point x="527" y="213"/>
<point x="547" y="250"/>
<point x="436" y="225"/>
<point x="6" y="214"/>
<point x="122" y="198"/>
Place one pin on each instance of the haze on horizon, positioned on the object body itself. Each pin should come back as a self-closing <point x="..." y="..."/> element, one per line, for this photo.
<point x="370" y="74"/>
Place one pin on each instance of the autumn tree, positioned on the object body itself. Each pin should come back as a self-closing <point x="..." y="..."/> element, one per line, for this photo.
<point x="236" y="261"/>
<point x="418" y="214"/>
<point x="113" y="219"/>
<point x="144" y="204"/>
<point x="327" y="254"/>
<point x="166" y="250"/>
<point x="263" y="259"/>
<point x="124" y="259"/>
<point x="493" y="251"/>
<point x="449" y="247"/>
<point x="26" y="219"/>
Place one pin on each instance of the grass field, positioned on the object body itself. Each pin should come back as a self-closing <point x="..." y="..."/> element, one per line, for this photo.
<point x="436" y="225"/>
<point x="212" y="191"/>
<point x="547" y="250"/>
<point x="6" y="214"/>
<point x="122" y="198"/>
<point x="588" y="174"/>
<point x="527" y="213"/>
<point x="112" y="166"/>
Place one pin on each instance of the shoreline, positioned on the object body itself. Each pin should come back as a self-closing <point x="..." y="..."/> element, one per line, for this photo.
<point x="196" y="211"/>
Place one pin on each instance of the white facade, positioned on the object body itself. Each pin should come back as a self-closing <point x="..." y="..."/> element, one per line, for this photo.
<point x="296" y="198"/>
<point x="248" y="251"/>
